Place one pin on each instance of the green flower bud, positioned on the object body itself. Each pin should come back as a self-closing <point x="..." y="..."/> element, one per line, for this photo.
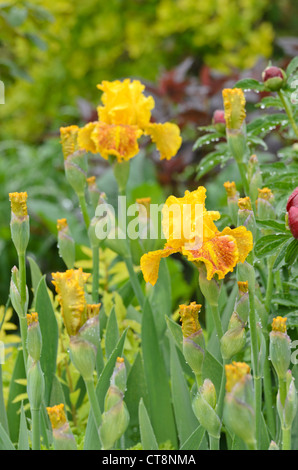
<point x="239" y="413"/>
<point x="34" y="340"/>
<point x="83" y="356"/>
<point x="35" y="383"/>
<point x="75" y="166"/>
<point x="254" y="177"/>
<point x="280" y="347"/>
<point x="232" y="200"/>
<point x="246" y="215"/>
<point x="236" y="143"/>
<point x="114" y="422"/>
<point x="121" y="173"/>
<point x="246" y="273"/>
<point x="234" y="339"/>
<point x="193" y="338"/>
<point x="287" y="412"/>
<point x="19" y="224"/>
<point x="15" y="294"/>
<point x="90" y="330"/>
<point x="63" y="438"/>
<point x="274" y="78"/>
<point x="210" y="289"/>
<point x="96" y="196"/>
<point x="115" y="418"/>
<point x="66" y="244"/>
<point x="118" y="378"/>
<point x="242" y="302"/>
<point x="204" y="408"/>
<point x="264" y="203"/>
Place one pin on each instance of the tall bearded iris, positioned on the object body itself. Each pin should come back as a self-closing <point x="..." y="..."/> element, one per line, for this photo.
<point x="123" y="117"/>
<point x="195" y="235"/>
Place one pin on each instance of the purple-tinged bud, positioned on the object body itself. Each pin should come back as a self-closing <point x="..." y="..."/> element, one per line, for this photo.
<point x="292" y="212"/>
<point x="274" y="78"/>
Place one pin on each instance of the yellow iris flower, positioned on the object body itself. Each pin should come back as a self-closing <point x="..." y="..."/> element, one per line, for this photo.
<point x="234" y="106"/>
<point x="124" y="117"/>
<point x="70" y="287"/>
<point x="194" y="234"/>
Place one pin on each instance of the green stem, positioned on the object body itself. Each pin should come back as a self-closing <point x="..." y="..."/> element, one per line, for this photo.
<point x="270" y="283"/>
<point x="213" y="443"/>
<point x="286" y="432"/>
<point x="134" y="280"/>
<point x="255" y="351"/>
<point x="3" y="416"/>
<point x="217" y="320"/>
<point x="84" y="209"/>
<point x="22" y="272"/>
<point x="268" y="392"/>
<point x="282" y="391"/>
<point x="35" y="429"/>
<point x="93" y="403"/>
<point x="286" y="438"/>
<point x="23" y="294"/>
<point x="95" y="273"/>
<point x="288" y="110"/>
<point x="242" y="171"/>
<point x="220" y="401"/>
<point x="199" y="380"/>
<point x="24" y="329"/>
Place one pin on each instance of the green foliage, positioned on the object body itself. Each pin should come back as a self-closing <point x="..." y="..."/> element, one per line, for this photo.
<point x="82" y="44"/>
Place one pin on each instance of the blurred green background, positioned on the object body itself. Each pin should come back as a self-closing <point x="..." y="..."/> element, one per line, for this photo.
<point x="52" y="55"/>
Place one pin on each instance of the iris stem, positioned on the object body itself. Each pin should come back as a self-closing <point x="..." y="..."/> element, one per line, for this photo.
<point x="23" y="294"/>
<point x="213" y="442"/>
<point x="286" y="438"/>
<point x="84" y="209"/>
<point x="93" y="403"/>
<point x="3" y="416"/>
<point x="134" y="280"/>
<point x="286" y="432"/>
<point x="35" y="414"/>
<point x="217" y="320"/>
<point x="288" y="110"/>
<point x="270" y="282"/>
<point x="95" y="273"/>
<point x="255" y="352"/>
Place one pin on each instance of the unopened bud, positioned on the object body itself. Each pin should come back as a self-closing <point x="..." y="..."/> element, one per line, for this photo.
<point x="193" y="337"/>
<point x="234" y="339"/>
<point x="264" y="203"/>
<point x="232" y="200"/>
<point x="19" y="224"/>
<point x="239" y="413"/>
<point x="292" y="213"/>
<point x="274" y="78"/>
<point x="209" y="288"/>
<point x="63" y="438"/>
<point x="246" y="215"/>
<point x="280" y="347"/>
<point x="15" y="293"/>
<point x="288" y="410"/>
<point x="254" y="177"/>
<point x="204" y="405"/>
<point x="83" y="356"/>
<point x="34" y="339"/>
<point x="115" y="418"/>
<point x="35" y="383"/>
